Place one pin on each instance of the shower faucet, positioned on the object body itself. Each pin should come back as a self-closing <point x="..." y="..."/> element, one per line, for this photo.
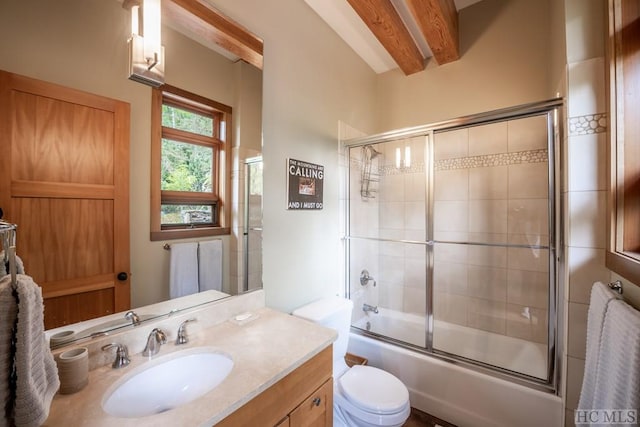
<point x="365" y="278"/>
<point x="367" y="307"/>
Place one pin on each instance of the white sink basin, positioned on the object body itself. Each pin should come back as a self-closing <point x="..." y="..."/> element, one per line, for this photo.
<point x="167" y="382"/>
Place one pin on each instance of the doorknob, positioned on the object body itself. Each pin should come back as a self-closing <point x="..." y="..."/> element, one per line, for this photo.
<point x="122" y="276"/>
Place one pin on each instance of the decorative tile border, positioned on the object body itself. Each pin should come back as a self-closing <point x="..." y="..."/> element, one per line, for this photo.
<point x="501" y="159"/>
<point x="588" y="124"/>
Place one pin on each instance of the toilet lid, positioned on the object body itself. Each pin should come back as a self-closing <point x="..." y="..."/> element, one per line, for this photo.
<point x="373" y="390"/>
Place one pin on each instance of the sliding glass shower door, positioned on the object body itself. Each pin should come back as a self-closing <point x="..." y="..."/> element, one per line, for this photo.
<point x="451" y="240"/>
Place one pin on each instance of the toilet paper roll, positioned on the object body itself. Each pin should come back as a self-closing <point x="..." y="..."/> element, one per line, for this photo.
<point x="73" y="370"/>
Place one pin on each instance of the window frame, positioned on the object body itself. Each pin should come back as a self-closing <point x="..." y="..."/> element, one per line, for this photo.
<point x="221" y="184"/>
<point x="624" y="200"/>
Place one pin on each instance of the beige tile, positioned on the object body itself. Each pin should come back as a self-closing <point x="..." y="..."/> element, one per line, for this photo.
<point x="415" y="187"/>
<point x="451" y="185"/>
<point x="497" y="238"/>
<point x="415" y="272"/>
<point x="451" y="145"/>
<point x="391" y="296"/>
<point x="528" y="134"/>
<point x="415" y="301"/>
<point x="414" y="216"/>
<point x="528" y="181"/>
<point x="450" y="236"/>
<point x="528" y="259"/>
<point x="450" y="277"/>
<point x="487" y="282"/>
<point x="528" y="288"/>
<point x="488" y="216"/>
<point x="391" y="188"/>
<point x="586" y="266"/>
<point x="417" y="145"/>
<point x="577" y="327"/>
<point x="488" y="256"/>
<point x="392" y="215"/>
<point x="450" y="308"/>
<point x="587" y="219"/>
<point x="417" y="251"/>
<point x="529" y="239"/>
<point x="585" y="26"/>
<point x="488" y="183"/>
<point x="575" y="372"/>
<point x="529" y="217"/>
<point x="450" y="216"/>
<point x="587" y="162"/>
<point x="527" y="323"/>
<point x="488" y="139"/>
<point x="586" y="87"/>
<point x="448" y="252"/>
<point x="487" y="315"/>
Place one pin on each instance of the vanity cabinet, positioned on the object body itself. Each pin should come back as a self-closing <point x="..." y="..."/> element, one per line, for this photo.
<point x="302" y="398"/>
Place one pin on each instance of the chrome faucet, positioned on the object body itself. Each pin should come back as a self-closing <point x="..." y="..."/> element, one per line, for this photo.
<point x="122" y="355"/>
<point x="156" y="338"/>
<point x="367" y="307"/>
<point x="131" y="315"/>
<point x="182" y="332"/>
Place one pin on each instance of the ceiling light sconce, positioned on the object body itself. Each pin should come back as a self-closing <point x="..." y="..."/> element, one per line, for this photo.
<point x="146" y="53"/>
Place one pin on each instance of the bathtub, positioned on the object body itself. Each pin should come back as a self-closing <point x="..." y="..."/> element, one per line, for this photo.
<point x="450" y="391"/>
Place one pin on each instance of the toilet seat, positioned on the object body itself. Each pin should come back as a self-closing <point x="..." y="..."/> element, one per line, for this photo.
<point x="373" y="390"/>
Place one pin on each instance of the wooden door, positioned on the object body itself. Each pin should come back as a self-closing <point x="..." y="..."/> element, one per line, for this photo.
<point x="64" y="180"/>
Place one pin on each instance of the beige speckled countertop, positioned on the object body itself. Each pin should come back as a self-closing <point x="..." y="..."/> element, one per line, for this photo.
<point x="264" y="350"/>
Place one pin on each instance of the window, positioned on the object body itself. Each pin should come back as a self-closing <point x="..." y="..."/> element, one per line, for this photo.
<point x="623" y="255"/>
<point x="190" y="147"/>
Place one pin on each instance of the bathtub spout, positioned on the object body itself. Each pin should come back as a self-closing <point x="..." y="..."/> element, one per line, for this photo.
<point x="367" y="307"/>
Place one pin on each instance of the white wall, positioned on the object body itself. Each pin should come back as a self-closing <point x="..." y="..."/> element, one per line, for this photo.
<point x="311" y="80"/>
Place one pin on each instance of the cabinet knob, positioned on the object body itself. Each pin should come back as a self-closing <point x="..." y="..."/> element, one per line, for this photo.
<point x="122" y="276"/>
<point x="317" y="401"/>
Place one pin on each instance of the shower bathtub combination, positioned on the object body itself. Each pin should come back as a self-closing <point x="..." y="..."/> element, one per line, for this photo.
<point x="450" y="238"/>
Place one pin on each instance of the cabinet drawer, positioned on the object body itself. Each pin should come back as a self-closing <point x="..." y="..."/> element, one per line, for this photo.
<point x="316" y="410"/>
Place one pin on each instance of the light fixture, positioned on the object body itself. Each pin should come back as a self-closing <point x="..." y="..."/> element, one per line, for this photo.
<point x="146" y="53"/>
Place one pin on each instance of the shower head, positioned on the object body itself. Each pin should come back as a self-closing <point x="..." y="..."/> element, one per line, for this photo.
<point x="373" y="153"/>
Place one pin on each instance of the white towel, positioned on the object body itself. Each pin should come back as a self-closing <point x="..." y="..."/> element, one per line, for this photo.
<point x="36" y="371"/>
<point x="617" y="384"/>
<point x="183" y="274"/>
<point x="3" y="268"/>
<point x="9" y="310"/>
<point x="601" y="295"/>
<point x="210" y="265"/>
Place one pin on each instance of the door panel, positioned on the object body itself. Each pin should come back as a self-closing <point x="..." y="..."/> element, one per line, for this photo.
<point x="64" y="179"/>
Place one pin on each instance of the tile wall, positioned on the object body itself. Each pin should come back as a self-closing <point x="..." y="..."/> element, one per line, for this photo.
<point x="491" y="186"/>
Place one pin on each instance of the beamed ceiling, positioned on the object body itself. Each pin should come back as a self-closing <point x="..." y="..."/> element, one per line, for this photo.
<point x="391" y="34"/>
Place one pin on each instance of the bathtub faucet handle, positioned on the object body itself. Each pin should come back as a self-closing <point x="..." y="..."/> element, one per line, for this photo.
<point x="365" y="277"/>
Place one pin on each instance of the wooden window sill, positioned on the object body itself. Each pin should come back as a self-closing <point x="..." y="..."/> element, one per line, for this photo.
<point x="189" y="233"/>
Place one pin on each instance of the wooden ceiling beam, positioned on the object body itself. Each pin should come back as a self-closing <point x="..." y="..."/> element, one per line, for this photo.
<point x="385" y="23"/>
<point x="207" y="22"/>
<point x="438" y="21"/>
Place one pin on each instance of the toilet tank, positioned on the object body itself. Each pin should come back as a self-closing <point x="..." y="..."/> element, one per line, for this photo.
<point x="334" y="313"/>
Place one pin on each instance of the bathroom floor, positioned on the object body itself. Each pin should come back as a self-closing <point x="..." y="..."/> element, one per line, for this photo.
<point x="422" y="419"/>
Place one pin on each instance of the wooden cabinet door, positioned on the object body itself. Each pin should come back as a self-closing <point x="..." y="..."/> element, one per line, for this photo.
<point x="64" y="180"/>
<point x="316" y="410"/>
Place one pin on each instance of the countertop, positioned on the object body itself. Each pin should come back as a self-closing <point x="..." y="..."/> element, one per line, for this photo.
<point x="264" y="350"/>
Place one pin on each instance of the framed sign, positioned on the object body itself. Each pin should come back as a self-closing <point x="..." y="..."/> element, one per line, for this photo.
<point x="304" y="182"/>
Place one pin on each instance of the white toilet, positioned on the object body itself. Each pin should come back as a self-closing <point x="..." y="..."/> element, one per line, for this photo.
<point x="362" y="395"/>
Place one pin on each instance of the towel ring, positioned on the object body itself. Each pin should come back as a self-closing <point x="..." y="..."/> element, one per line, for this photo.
<point x="616" y="286"/>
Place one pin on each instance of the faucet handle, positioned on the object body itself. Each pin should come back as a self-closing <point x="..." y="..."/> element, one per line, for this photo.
<point x="122" y="355"/>
<point x="182" y="332"/>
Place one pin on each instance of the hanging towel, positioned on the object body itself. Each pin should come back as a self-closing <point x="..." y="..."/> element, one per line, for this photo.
<point x="601" y="295"/>
<point x="36" y="371"/>
<point x="617" y="384"/>
<point x="210" y="265"/>
<point x="183" y="274"/>
<point x="9" y="310"/>
<point x="4" y="268"/>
